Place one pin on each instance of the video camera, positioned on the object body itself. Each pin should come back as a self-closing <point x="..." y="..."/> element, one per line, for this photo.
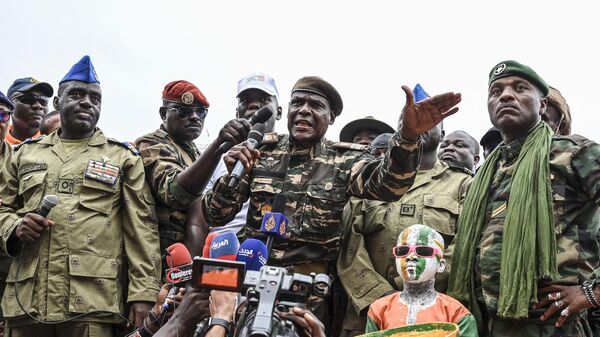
<point x="268" y="290"/>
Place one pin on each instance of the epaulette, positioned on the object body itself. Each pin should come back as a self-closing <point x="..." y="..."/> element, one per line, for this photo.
<point x="27" y="141"/>
<point x="270" y="138"/>
<point x="461" y="169"/>
<point x="350" y="146"/>
<point x="126" y="145"/>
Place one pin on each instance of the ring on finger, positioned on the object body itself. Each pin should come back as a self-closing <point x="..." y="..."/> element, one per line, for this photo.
<point x="565" y="312"/>
<point x="559" y="304"/>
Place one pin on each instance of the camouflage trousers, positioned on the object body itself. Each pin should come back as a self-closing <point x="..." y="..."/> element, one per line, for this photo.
<point x="576" y="326"/>
<point x="69" y="329"/>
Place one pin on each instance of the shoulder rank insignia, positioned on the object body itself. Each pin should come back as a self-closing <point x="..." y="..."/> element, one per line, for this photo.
<point x="126" y="145"/>
<point x="270" y="138"/>
<point x="461" y="169"/>
<point x="102" y="171"/>
<point x="27" y="141"/>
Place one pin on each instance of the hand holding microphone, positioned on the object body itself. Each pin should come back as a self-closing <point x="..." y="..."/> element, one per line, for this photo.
<point x="240" y="159"/>
<point x="236" y="130"/>
<point x="33" y="224"/>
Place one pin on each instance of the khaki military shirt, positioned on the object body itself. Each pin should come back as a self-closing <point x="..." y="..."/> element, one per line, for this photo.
<point x="317" y="182"/>
<point x="164" y="159"/>
<point x="104" y="218"/>
<point x="366" y="265"/>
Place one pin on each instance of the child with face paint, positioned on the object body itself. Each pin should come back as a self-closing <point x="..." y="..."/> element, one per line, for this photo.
<point x="419" y="256"/>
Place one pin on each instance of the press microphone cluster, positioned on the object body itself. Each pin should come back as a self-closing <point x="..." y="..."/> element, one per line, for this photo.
<point x="254" y="138"/>
<point x="179" y="261"/>
<point x="262" y="115"/>
<point x="275" y="222"/>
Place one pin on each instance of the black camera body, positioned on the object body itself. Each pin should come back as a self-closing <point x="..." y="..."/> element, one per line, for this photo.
<point x="273" y="290"/>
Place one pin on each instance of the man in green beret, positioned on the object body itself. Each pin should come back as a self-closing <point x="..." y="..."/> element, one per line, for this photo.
<point x="319" y="176"/>
<point x="527" y="250"/>
<point x="364" y="130"/>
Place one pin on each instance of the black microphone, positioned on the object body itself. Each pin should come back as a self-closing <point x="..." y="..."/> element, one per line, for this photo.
<point x="254" y="138"/>
<point x="262" y="115"/>
<point x="47" y="204"/>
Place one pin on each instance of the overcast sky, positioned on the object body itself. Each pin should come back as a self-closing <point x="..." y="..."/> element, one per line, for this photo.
<point x="366" y="49"/>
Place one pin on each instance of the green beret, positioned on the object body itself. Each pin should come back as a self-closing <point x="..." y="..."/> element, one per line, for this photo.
<point x="319" y="86"/>
<point x="514" y="68"/>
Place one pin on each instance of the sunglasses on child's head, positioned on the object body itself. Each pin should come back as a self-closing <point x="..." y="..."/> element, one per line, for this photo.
<point x="422" y="251"/>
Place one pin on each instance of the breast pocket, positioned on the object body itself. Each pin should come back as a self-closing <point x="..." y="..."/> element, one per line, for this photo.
<point x="323" y="210"/>
<point x="31" y="189"/>
<point x="98" y="196"/>
<point x="440" y="212"/>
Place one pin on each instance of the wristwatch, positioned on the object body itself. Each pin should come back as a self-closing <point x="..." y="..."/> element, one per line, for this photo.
<point x="219" y="321"/>
<point x="588" y="290"/>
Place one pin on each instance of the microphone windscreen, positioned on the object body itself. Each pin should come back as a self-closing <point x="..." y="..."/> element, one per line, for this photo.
<point x="50" y="201"/>
<point x="262" y="115"/>
<point x="255" y="135"/>
<point x="253" y="253"/>
<point x="274" y="224"/>
<point x="207" y="243"/>
<point x="224" y="246"/>
<point x="178" y="255"/>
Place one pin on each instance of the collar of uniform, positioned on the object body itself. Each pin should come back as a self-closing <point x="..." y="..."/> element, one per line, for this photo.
<point x="190" y="147"/>
<point x="423" y="177"/>
<point x="97" y="138"/>
<point x="313" y="151"/>
<point x="161" y="132"/>
<point x="438" y="168"/>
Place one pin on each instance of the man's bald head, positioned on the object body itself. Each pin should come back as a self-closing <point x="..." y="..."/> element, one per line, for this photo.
<point x="460" y="149"/>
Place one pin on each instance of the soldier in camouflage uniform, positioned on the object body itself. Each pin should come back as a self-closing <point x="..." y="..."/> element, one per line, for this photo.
<point x="72" y="264"/>
<point x="317" y="176"/>
<point x="175" y="170"/>
<point x="516" y="98"/>
<point x="365" y="265"/>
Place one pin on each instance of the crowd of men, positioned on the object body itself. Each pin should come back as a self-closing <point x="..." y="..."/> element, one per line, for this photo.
<point x="521" y="230"/>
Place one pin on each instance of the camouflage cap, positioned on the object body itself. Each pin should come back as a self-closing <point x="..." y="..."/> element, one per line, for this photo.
<point x="323" y="88"/>
<point x="514" y="68"/>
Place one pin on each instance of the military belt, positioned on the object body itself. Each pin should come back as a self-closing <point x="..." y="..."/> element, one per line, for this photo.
<point x="171" y="235"/>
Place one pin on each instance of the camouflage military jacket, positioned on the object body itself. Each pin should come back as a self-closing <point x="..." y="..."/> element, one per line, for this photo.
<point x="164" y="159"/>
<point x="575" y="181"/>
<point x="103" y="220"/>
<point x="366" y="265"/>
<point x="317" y="183"/>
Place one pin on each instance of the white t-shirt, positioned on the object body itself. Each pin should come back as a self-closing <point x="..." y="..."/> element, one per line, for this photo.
<point x="240" y="219"/>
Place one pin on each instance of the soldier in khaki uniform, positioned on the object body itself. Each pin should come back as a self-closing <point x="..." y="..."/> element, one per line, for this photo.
<point x="318" y="177"/>
<point x="71" y="263"/>
<point x="175" y="170"/>
<point x="365" y="265"/>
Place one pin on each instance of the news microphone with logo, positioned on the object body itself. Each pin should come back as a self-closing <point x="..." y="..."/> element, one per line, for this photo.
<point x="179" y="261"/>
<point x="260" y="116"/>
<point x="48" y="203"/>
<point x="254" y="138"/>
<point x="253" y="253"/>
<point x="224" y="246"/>
<point x="207" y="242"/>
<point x="275" y="223"/>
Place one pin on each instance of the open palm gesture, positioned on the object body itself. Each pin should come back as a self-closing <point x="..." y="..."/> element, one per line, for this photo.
<point x="420" y="117"/>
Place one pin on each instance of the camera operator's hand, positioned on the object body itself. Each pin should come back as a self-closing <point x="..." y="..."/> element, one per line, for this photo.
<point x="307" y="320"/>
<point x="174" y="301"/>
<point x="222" y="304"/>
<point x="194" y="307"/>
<point x="31" y="227"/>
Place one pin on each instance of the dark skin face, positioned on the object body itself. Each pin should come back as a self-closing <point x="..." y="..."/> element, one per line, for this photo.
<point x="309" y="116"/>
<point x="515" y="106"/>
<point x="26" y="118"/>
<point x="79" y="104"/>
<point x="365" y="136"/>
<point x="250" y="100"/>
<point x="552" y="117"/>
<point x="50" y="124"/>
<point x="3" y="126"/>
<point x="457" y="150"/>
<point x="182" y="129"/>
<point x="488" y="148"/>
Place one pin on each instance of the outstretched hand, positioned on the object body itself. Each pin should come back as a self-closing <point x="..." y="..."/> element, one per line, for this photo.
<point x="418" y="118"/>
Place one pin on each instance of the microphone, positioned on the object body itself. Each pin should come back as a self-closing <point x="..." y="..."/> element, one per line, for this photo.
<point x="275" y="222"/>
<point x="260" y="116"/>
<point x="179" y="261"/>
<point x="48" y="203"/>
<point x="254" y="138"/>
<point x="207" y="243"/>
<point x="224" y="246"/>
<point x="253" y="253"/>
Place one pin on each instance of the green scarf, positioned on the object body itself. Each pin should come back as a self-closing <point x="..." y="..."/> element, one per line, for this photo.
<point x="528" y="239"/>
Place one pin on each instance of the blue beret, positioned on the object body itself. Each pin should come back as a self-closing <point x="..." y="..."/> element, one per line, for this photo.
<point x="82" y="71"/>
<point x="4" y="100"/>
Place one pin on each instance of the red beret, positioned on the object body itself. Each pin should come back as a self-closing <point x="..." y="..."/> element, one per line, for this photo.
<point x="184" y="92"/>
